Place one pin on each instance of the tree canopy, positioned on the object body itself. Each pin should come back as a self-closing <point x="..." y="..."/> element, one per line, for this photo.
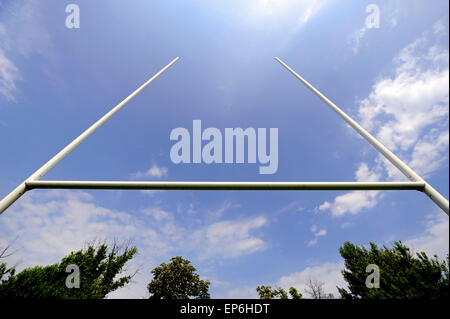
<point x="98" y="267"/>
<point x="401" y="274"/>
<point x="177" y="280"/>
<point x="267" y="292"/>
<point x="5" y="271"/>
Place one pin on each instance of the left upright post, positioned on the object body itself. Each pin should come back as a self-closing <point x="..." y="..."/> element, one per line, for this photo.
<point x="21" y="189"/>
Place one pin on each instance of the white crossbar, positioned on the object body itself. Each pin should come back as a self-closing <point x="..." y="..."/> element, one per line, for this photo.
<point x="251" y="186"/>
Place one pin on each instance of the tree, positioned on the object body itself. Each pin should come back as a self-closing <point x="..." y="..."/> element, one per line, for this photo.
<point x="315" y="290"/>
<point x="177" y="280"/>
<point x="98" y="268"/>
<point x="266" y="292"/>
<point x="401" y="275"/>
<point x="5" y="271"/>
<point x="294" y="293"/>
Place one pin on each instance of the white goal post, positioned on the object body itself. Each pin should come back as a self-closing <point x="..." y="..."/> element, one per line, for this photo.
<point x="416" y="183"/>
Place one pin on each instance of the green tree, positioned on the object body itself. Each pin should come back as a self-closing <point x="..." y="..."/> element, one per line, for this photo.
<point x="267" y="292"/>
<point x="401" y="275"/>
<point x="98" y="267"/>
<point x="5" y="271"/>
<point x="177" y="280"/>
<point x="294" y="293"/>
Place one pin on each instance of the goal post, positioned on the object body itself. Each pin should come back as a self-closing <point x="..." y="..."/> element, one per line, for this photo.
<point x="416" y="182"/>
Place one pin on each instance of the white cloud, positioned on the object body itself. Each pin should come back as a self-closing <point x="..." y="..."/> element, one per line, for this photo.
<point x="9" y="74"/>
<point x="363" y="174"/>
<point x="355" y="202"/>
<point x="317" y="233"/>
<point x="229" y="239"/>
<point x="356" y="39"/>
<point x="154" y="171"/>
<point x="346" y="225"/>
<point x="434" y="239"/>
<point x="223" y="207"/>
<point x="439" y="28"/>
<point x="329" y="273"/>
<point x="429" y="153"/>
<point x="247" y="292"/>
<point x="352" y="203"/>
<point x="294" y="206"/>
<point x="408" y="113"/>
<point x="23" y="32"/>
<point x="158" y="213"/>
<point x="321" y="232"/>
<point x="28" y="34"/>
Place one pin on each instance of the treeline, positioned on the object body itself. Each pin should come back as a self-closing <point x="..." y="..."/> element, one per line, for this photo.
<point x="379" y="273"/>
<point x="94" y="272"/>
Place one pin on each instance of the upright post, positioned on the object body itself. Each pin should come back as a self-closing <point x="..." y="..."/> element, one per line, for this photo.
<point x="435" y="196"/>
<point x="21" y="189"/>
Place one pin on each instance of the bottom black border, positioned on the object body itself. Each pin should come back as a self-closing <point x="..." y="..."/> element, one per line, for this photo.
<point x="227" y="308"/>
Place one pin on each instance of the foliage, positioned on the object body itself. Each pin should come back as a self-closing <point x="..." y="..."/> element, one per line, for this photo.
<point x="98" y="268"/>
<point x="177" y="280"/>
<point x="5" y="271"/>
<point x="315" y="290"/>
<point x="294" y="293"/>
<point x="401" y="274"/>
<point x="267" y="292"/>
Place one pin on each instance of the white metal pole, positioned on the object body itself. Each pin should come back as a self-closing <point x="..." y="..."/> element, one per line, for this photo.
<point x="21" y="189"/>
<point x="435" y="196"/>
<point x="251" y="186"/>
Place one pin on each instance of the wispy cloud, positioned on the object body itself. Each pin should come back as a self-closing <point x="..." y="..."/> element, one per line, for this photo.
<point x="356" y="39"/>
<point x="158" y="213"/>
<point x="283" y="17"/>
<point x="294" y="206"/>
<point x="409" y="113"/>
<point x="434" y="239"/>
<point x="28" y="34"/>
<point x="9" y="74"/>
<point x="317" y="233"/>
<point x="389" y="20"/>
<point x="154" y="171"/>
<point x="276" y="9"/>
<point x="221" y="209"/>
<point x="230" y="238"/>
<point x="24" y="33"/>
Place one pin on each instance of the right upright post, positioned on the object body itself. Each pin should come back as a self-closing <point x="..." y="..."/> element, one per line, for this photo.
<point x="435" y="196"/>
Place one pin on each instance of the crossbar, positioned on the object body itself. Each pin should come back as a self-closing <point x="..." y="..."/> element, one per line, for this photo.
<point x="250" y="186"/>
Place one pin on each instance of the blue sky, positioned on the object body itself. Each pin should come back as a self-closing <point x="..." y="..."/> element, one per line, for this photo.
<point x="55" y="82"/>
